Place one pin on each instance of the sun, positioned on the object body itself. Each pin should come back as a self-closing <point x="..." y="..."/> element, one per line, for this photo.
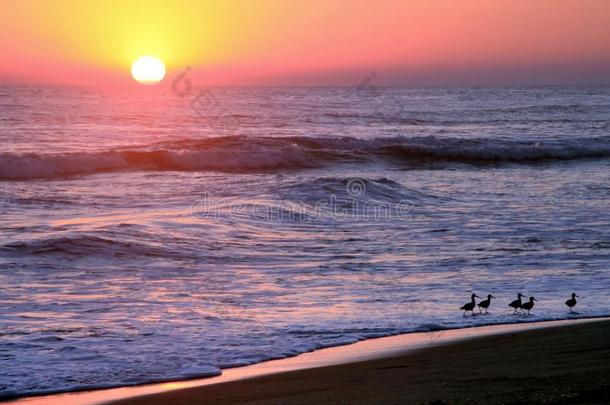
<point x="148" y="70"/>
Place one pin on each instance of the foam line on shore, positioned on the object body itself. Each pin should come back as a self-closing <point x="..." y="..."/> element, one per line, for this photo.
<point x="370" y="349"/>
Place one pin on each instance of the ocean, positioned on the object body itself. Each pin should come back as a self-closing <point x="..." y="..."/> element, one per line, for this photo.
<point x="161" y="233"/>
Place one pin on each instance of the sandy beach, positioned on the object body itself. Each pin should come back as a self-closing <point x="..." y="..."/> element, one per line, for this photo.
<point x="559" y="365"/>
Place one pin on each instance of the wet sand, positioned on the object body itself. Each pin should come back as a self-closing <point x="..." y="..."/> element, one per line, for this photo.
<point x="558" y="365"/>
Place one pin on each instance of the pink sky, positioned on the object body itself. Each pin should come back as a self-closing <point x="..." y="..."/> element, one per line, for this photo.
<point x="313" y="42"/>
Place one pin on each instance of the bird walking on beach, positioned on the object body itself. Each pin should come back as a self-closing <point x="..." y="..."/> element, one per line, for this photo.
<point x="470" y="306"/>
<point x="485" y="303"/>
<point x="571" y="303"/>
<point x="528" y="305"/>
<point x="516" y="304"/>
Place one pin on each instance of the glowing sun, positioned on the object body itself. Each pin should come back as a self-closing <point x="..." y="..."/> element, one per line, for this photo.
<point x="148" y="70"/>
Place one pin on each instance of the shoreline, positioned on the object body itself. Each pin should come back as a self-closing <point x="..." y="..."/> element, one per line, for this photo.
<point x="375" y="349"/>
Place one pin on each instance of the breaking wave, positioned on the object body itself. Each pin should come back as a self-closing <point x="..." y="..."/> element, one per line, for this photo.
<point x="246" y="154"/>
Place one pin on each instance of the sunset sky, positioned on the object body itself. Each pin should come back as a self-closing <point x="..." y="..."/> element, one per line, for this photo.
<point x="309" y="42"/>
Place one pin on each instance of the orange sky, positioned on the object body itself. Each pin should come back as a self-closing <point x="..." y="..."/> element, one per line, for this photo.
<point x="309" y="42"/>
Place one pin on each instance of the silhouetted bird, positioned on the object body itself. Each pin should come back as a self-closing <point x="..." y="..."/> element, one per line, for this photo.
<point x="485" y="303"/>
<point x="571" y="303"/>
<point x="470" y="305"/>
<point x="516" y="303"/>
<point x="528" y="305"/>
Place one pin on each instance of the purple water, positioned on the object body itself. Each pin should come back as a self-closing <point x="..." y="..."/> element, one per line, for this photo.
<point x="146" y="236"/>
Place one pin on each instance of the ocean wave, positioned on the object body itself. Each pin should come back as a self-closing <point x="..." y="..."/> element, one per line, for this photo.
<point x="369" y="189"/>
<point x="275" y="154"/>
<point x="85" y="245"/>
